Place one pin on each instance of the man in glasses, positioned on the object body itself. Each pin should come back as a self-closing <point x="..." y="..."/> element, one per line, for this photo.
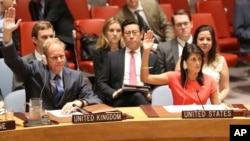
<point x="123" y="67"/>
<point x="168" y="53"/>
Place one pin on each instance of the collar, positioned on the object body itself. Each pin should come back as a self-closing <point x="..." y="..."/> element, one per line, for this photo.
<point x="38" y="56"/>
<point x="138" y="8"/>
<point x="182" y="43"/>
<point x="128" y="50"/>
<point x="52" y="75"/>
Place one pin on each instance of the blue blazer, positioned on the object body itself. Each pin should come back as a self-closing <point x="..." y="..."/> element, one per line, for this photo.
<point x="36" y="77"/>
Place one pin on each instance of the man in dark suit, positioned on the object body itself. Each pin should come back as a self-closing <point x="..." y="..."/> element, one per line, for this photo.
<point x="168" y="53"/>
<point x="241" y="24"/>
<point x="153" y="17"/>
<point x="41" y="31"/>
<point x="117" y="69"/>
<point x="58" y="86"/>
<point x="58" y="14"/>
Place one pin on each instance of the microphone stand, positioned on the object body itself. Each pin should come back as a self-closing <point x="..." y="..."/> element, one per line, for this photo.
<point x="197" y="92"/>
<point x="75" y="51"/>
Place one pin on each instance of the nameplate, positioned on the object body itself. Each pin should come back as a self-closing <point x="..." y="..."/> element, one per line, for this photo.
<point x="7" y="125"/>
<point x="207" y="114"/>
<point x="98" y="117"/>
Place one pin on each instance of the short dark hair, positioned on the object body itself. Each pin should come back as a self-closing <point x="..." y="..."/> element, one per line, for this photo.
<point x="41" y="25"/>
<point x="181" y="12"/>
<point x="129" y="22"/>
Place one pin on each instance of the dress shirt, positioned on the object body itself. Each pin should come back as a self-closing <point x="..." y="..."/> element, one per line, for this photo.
<point x="137" y="56"/>
<point x="52" y="81"/>
<point x="182" y="43"/>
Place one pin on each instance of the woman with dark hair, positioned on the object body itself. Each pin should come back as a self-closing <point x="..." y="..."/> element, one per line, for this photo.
<point x="214" y="65"/>
<point x="109" y="40"/>
<point x="184" y="84"/>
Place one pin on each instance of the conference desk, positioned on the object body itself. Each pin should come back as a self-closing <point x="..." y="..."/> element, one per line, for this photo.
<point x="141" y="128"/>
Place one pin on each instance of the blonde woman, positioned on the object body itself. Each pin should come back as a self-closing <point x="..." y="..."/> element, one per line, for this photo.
<point x="109" y="40"/>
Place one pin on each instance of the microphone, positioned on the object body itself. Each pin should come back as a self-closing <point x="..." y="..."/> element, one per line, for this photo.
<point x="197" y="92"/>
<point x="74" y="44"/>
<point x="44" y="61"/>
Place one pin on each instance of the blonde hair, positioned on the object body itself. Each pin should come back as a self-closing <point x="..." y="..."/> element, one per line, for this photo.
<point x="103" y="41"/>
<point x="49" y="42"/>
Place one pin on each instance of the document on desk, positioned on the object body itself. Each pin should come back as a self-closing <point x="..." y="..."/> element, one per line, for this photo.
<point x="61" y="118"/>
<point x="193" y="107"/>
<point x="2" y="111"/>
<point x="58" y="113"/>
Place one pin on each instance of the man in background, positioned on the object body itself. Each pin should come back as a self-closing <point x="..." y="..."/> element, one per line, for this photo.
<point x="242" y="24"/>
<point x="149" y="15"/>
<point x="168" y="53"/>
<point x="58" y="14"/>
<point x="41" y="31"/>
<point x="58" y="87"/>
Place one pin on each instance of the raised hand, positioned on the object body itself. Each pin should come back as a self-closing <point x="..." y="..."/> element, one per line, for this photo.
<point x="148" y="41"/>
<point x="9" y="24"/>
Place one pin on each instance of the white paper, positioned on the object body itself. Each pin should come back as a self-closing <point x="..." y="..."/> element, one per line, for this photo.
<point x="1" y="111"/>
<point x="58" y="113"/>
<point x="180" y="108"/>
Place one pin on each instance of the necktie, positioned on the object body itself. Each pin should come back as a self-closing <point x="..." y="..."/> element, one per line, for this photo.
<point x="141" y="21"/>
<point x="132" y="70"/>
<point x="59" y="90"/>
<point x="40" y="11"/>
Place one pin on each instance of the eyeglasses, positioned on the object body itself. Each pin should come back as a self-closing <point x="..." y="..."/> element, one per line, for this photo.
<point x="180" y="24"/>
<point x="133" y="32"/>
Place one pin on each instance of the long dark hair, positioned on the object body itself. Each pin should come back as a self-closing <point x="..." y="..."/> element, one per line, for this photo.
<point x="187" y="50"/>
<point x="212" y="51"/>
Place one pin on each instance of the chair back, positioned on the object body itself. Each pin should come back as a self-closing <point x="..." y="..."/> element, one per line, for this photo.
<point x="15" y="100"/>
<point x="168" y="10"/>
<point x="78" y="9"/>
<point x="93" y="26"/>
<point x="218" y="15"/>
<point x="177" y="4"/>
<point x="202" y="19"/>
<point x="22" y="10"/>
<point x="25" y="38"/>
<point x="162" y="95"/>
<point x="6" y="76"/>
<point x="104" y="12"/>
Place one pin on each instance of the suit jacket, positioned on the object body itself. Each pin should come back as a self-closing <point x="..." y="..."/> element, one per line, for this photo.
<point x="242" y="24"/>
<point x="98" y="58"/>
<point x="56" y="12"/>
<point x="17" y="82"/>
<point x="111" y="77"/>
<point x="155" y="16"/>
<point x="167" y="56"/>
<point x="36" y="77"/>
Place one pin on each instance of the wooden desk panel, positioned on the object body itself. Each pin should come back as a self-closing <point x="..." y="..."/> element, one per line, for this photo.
<point x="140" y="128"/>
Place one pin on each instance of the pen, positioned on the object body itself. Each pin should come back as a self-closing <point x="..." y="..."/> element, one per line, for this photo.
<point x="79" y="109"/>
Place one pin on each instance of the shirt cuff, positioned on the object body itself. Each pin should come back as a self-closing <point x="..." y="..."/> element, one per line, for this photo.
<point x="8" y="44"/>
